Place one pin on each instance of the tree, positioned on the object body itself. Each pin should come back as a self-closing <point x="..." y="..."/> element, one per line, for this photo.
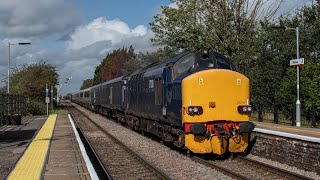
<point x="225" y="26"/>
<point x="86" y="84"/>
<point x="30" y="81"/>
<point x="142" y="60"/>
<point x="111" y="66"/>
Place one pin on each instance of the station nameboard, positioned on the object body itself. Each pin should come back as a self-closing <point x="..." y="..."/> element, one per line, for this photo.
<point x="297" y="62"/>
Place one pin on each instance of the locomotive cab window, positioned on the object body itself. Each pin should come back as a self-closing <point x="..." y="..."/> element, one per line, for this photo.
<point x="206" y="61"/>
<point x="184" y="65"/>
<point x="213" y="61"/>
<point x="222" y="63"/>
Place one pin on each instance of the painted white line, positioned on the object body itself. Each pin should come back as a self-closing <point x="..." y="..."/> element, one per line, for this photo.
<point x="289" y="135"/>
<point x="91" y="170"/>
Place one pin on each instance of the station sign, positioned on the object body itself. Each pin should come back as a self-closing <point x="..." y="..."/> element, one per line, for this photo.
<point x="297" y="62"/>
<point x="47" y="100"/>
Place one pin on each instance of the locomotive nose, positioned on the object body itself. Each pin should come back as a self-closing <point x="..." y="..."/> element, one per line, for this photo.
<point x="219" y="93"/>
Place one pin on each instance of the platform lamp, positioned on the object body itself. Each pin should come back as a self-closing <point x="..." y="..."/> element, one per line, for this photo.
<point x="10" y="44"/>
<point x="298" y="103"/>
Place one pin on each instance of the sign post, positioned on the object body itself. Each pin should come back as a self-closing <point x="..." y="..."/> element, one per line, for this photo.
<point x="298" y="62"/>
<point x="51" y="98"/>
<point x="47" y="99"/>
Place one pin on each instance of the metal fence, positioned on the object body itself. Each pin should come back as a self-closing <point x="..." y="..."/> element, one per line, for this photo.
<point x="11" y="105"/>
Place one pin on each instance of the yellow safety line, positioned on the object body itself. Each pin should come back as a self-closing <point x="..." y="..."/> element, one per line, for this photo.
<point x="31" y="163"/>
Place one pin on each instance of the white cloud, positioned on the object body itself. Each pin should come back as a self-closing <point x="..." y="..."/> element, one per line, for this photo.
<point x="102" y="29"/>
<point x="31" y="18"/>
<point x="85" y="49"/>
<point x="173" y="5"/>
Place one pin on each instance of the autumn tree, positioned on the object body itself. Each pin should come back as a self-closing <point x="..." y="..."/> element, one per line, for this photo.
<point x="86" y="84"/>
<point x="142" y="60"/>
<point x="111" y="66"/>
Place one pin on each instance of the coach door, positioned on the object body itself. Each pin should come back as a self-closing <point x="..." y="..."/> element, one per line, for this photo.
<point x="123" y="97"/>
<point x="110" y="97"/>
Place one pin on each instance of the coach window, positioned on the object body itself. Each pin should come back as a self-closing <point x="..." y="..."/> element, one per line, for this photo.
<point x="184" y="65"/>
<point x="158" y="91"/>
<point x="86" y="94"/>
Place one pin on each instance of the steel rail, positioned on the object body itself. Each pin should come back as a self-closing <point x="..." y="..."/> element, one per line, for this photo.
<point x="279" y="171"/>
<point x="219" y="168"/>
<point x="105" y="171"/>
<point x="159" y="173"/>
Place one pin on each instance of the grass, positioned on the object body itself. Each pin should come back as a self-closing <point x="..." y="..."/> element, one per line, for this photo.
<point x="268" y="118"/>
<point x="58" y="111"/>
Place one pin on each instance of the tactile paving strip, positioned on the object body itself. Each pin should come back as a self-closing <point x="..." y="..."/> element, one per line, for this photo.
<point x="31" y="163"/>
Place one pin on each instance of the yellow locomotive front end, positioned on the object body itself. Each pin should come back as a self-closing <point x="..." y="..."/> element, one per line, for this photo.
<point x="216" y="111"/>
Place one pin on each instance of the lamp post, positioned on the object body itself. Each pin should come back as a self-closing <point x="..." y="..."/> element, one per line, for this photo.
<point x="10" y="44"/>
<point x="60" y="86"/>
<point x="298" y="103"/>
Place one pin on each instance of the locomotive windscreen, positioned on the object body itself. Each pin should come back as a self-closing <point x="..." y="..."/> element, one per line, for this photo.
<point x="197" y="62"/>
<point x="213" y="61"/>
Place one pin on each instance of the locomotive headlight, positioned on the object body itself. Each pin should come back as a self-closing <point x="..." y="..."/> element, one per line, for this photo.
<point x="244" y="109"/>
<point x="195" y="110"/>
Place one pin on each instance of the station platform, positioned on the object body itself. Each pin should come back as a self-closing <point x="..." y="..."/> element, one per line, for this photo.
<point x="53" y="153"/>
<point x="312" y="134"/>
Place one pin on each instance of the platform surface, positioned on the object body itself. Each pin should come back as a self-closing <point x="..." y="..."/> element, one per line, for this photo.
<point x="312" y="132"/>
<point x="64" y="159"/>
<point x="14" y="139"/>
<point x="54" y="153"/>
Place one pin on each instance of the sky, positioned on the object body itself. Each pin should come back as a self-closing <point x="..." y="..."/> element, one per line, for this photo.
<point x="75" y="35"/>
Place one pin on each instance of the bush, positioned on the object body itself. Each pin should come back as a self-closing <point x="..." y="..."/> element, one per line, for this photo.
<point x="36" y="108"/>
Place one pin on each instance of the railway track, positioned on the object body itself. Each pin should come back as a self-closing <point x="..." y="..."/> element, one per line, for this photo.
<point x="245" y="168"/>
<point x="119" y="161"/>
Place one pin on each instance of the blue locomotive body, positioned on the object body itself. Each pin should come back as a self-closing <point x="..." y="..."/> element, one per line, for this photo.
<point x="160" y="99"/>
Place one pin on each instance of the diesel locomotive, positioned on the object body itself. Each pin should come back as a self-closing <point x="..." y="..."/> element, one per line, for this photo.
<point x="194" y="100"/>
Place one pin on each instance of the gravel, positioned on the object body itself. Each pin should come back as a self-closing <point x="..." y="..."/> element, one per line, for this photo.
<point x="176" y="165"/>
<point x="312" y="175"/>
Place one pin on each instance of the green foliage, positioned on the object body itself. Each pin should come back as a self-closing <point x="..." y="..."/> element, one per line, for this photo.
<point x="86" y="84"/>
<point x="227" y="27"/>
<point x="255" y="47"/>
<point x="30" y="81"/>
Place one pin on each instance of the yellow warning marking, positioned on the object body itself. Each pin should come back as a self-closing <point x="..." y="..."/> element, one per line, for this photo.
<point x="31" y="163"/>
